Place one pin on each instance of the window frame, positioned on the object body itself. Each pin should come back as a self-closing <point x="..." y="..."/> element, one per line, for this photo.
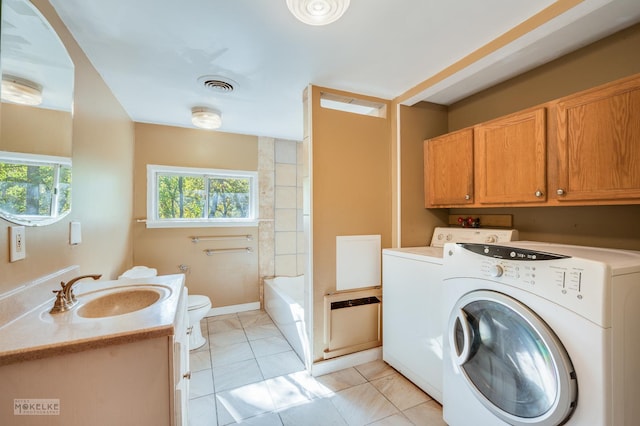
<point x="154" y="170"/>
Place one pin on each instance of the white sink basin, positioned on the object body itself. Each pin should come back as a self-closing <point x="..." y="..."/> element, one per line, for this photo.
<point x="119" y="302"/>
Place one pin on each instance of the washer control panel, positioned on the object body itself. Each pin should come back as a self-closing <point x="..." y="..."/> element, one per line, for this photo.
<point x="441" y="236"/>
<point x="578" y="284"/>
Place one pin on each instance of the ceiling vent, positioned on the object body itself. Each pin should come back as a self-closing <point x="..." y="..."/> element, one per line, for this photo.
<point x="218" y="84"/>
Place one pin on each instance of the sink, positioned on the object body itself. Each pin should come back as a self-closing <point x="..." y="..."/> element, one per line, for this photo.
<point x="119" y="303"/>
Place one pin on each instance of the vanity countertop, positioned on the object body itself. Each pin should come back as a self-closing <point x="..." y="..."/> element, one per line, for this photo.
<point x="38" y="334"/>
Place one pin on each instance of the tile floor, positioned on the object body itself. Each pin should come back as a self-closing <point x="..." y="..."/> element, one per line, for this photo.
<point x="247" y="373"/>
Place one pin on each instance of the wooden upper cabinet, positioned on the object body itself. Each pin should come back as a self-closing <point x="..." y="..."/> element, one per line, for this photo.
<point x="598" y="143"/>
<point x="510" y="159"/>
<point x="448" y="169"/>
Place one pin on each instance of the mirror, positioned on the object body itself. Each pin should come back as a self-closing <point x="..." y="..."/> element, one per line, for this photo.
<point x="35" y="118"/>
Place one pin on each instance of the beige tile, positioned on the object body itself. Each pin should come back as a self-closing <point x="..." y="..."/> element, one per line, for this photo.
<point x="362" y="404"/>
<point x="286" y="197"/>
<point x="231" y="354"/>
<point x="286" y="151"/>
<point x="400" y="391"/>
<point x="224" y="325"/>
<point x="318" y="412"/>
<point x="244" y="402"/>
<point x="286" y="175"/>
<point x="342" y="379"/>
<point x="227" y="338"/>
<point x="286" y="265"/>
<point x="286" y="243"/>
<point x="279" y="364"/>
<point x="202" y="411"/>
<point x="201" y="383"/>
<point x="375" y="369"/>
<point x="269" y="346"/>
<point x="253" y="318"/>
<point x="395" y="420"/>
<point x="237" y="374"/>
<point x="426" y="414"/>
<point x="285" y="220"/>
<point x="262" y="331"/>
<point x="290" y="390"/>
<point x="200" y="360"/>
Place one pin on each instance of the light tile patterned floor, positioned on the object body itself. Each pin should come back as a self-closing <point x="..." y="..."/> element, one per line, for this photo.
<point x="247" y="373"/>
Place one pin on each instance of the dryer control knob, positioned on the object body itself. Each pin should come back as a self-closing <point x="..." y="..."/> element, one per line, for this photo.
<point x="496" y="271"/>
<point x="491" y="239"/>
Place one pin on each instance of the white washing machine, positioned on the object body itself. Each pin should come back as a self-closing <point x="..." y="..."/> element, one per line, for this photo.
<point x="541" y="334"/>
<point x="412" y="318"/>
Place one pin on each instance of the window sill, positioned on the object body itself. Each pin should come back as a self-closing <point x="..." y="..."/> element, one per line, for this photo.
<point x="202" y="224"/>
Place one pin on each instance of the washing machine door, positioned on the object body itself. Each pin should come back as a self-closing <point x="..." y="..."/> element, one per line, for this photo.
<point x="512" y="361"/>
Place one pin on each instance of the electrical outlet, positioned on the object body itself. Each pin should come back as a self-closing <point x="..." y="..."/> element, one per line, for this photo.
<point x="17" y="243"/>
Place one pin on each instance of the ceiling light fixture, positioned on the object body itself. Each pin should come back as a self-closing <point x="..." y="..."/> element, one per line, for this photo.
<point x="20" y="91"/>
<point x="318" y="12"/>
<point x="206" y="118"/>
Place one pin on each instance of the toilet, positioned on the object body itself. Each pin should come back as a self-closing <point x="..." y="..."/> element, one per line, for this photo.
<point x="197" y="305"/>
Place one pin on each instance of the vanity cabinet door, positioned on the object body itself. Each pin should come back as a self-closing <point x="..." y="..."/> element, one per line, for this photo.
<point x="180" y="367"/>
<point x="510" y="159"/>
<point x="448" y="169"/>
<point x="598" y="134"/>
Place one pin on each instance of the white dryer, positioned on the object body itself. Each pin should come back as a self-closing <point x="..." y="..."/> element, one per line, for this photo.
<point x="412" y="318"/>
<point x="541" y="334"/>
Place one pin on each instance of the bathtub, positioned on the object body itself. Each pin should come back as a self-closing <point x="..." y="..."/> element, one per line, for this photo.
<point x="284" y="302"/>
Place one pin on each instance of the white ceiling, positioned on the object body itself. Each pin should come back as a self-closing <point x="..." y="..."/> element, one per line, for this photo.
<point x="151" y="53"/>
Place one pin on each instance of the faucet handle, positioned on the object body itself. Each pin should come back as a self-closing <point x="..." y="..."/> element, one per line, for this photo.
<point x="61" y="304"/>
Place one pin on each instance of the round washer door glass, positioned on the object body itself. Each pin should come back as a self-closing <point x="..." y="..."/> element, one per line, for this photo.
<point x="512" y="360"/>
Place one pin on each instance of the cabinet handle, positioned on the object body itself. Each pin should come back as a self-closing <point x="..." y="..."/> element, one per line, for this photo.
<point x="539" y="193"/>
<point x="467" y="197"/>
<point x="560" y="191"/>
<point x="189" y="330"/>
<point x="187" y="375"/>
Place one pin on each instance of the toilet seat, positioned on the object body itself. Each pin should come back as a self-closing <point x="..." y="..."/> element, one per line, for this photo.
<point x="197" y="301"/>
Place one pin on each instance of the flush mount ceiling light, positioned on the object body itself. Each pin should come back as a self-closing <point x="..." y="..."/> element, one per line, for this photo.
<point x="206" y="118"/>
<point x="318" y="12"/>
<point x="21" y="91"/>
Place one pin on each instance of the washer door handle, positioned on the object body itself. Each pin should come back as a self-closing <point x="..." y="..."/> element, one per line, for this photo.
<point x="461" y="356"/>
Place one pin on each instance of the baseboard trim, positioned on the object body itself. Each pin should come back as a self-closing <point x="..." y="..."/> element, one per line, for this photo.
<point x="233" y="309"/>
<point x="345" y="361"/>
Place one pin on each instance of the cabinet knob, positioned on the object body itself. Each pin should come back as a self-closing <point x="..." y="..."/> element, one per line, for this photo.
<point x="467" y="197"/>
<point x="560" y="191"/>
<point x="539" y="193"/>
<point x="189" y="330"/>
<point x="187" y="375"/>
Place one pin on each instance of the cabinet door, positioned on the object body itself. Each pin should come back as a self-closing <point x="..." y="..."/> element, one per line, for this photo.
<point x="510" y="159"/>
<point x="448" y="169"/>
<point x="598" y="137"/>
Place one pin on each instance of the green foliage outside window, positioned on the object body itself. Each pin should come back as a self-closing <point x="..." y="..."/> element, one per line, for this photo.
<point x="185" y="197"/>
<point x="28" y="189"/>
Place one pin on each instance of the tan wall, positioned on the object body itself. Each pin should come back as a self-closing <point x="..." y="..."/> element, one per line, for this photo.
<point x="351" y="191"/>
<point x="102" y="193"/>
<point x="35" y="130"/>
<point x="417" y="123"/>
<point x="606" y="60"/>
<point x="227" y="279"/>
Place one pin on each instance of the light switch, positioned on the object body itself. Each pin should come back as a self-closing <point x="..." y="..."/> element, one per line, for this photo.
<point x="17" y="243"/>
<point x="75" y="233"/>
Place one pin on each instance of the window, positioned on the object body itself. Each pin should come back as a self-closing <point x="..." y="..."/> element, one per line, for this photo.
<point x="189" y="197"/>
<point x="34" y="189"/>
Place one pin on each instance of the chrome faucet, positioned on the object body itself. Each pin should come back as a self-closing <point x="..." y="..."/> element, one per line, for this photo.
<point x="65" y="299"/>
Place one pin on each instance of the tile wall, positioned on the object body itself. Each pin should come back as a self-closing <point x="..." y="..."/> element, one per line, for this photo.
<point x="281" y="233"/>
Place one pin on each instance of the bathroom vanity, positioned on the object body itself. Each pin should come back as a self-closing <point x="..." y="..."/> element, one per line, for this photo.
<point x="130" y="368"/>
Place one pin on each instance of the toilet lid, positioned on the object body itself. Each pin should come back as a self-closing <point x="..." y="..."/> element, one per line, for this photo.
<point x="197" y="301"/>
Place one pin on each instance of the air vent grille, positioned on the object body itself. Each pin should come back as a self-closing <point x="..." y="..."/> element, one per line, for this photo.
<point x="218" y="84"/>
